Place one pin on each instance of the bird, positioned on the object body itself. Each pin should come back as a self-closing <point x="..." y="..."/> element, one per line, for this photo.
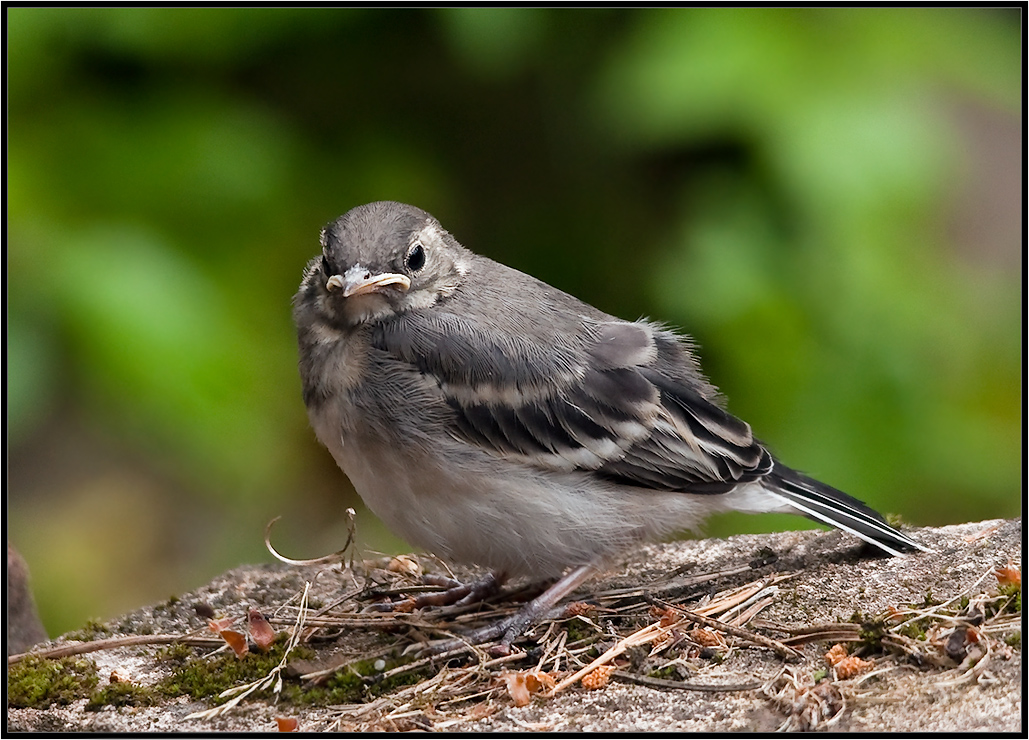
<point x="492" y="419"/>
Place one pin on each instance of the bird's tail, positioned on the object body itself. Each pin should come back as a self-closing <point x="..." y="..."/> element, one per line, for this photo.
<point x="825" y="504"/>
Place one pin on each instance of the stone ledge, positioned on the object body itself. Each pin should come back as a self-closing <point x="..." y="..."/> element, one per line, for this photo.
<point x="834" y="578"/>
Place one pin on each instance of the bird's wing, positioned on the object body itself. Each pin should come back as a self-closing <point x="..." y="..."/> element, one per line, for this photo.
<point x="620" y="398"/>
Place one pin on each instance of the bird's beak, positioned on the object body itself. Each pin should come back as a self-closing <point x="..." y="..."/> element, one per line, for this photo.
<point x="358" y="281"/>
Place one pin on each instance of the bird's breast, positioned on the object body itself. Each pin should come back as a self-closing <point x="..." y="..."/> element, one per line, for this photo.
<point x="333" y="364"/>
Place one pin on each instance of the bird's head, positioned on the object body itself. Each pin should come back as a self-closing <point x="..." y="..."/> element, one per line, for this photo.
<point x="379" y="260"/>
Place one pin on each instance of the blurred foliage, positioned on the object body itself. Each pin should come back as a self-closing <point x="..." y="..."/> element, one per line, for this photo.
<point x="792" y="187"/>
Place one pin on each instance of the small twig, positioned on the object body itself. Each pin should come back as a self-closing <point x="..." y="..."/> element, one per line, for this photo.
<point x="336" y="557"/>
<point x="373" y="620"/>
<point x="466" y="697"/>
<point x="554" y="649"/>
<point x="1001" y="624"/>
<point x="648" y="634"/>
<point x="754" y="609"/>
<point x="737" y="597"/>
<point x="837" y="632"/>
<point x="407" y="667"/>
<point x="936" y="608"/>
<point x="116" y="642"/>
<point x="342" y="599"/>
<point x="783" y="651"/>
<point x="669" y="586"/>
<point x="664" y="683"/>
<point x="864" y="677"/>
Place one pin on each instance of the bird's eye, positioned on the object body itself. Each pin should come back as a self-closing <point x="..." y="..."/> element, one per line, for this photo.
<point x="326" y="267"/>
<point x="416" y="258"/>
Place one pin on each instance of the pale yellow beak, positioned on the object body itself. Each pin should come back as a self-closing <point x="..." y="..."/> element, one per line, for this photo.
<point x="358" y="281"/>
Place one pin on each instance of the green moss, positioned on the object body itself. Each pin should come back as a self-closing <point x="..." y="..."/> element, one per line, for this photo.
<point x="1014" y="639"/>
<point x="39" y="682"/>
<point x="1014" y="592"/>
<point x="872" y="635"/>
<point x="578" y="629"/>
<point x="178" y="652"/>
<point x="344" y="687"/>
<point x="819" y="675"/>
<point x="92" y="630"/>
<point x="929" y="600"/>
<point x="123" y="694"/>
<point x="872" y="630"/>
<point x="355" y="683"/>
<point x="915" y="629"/>
<point x="206" y="678"/>
<point x="405" y="678"/>
<point x="669" y="672"/>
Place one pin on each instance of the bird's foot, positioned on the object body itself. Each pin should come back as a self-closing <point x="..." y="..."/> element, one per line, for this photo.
<point x="502" y="633"/>
<point x="505" y="631"/>
<point x="454" y="593"/>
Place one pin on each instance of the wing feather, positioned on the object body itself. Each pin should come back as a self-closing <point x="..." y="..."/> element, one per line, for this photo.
<point x="624" y="399"/>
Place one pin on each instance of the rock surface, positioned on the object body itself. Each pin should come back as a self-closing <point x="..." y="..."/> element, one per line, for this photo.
<point x="831" y="579"/>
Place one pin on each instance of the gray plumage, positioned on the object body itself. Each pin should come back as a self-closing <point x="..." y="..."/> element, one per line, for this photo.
<point x="492" y="419"/>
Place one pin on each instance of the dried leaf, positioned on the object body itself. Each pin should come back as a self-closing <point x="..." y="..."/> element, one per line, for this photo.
<point x="836" y="654"/>
<point x="119" y="676"/>
<point x="236" y="640"/>
<point x="481" y="711"/>
<point x="261" y="632"/>
<point x="851" y="666"/>
<point x="806" y="707"/>
<point x="217" y="625"/>
<point x="706" y="637"/>
<point x="580" y="609"/>
<point x="404" y="607"/>
<point x="599" y="677"/>
<point x="523" y="684"/>
<point x="1009" y="575"/>
<point x="666" y="615"/>
<point x="287" y="724"/>
<point x="894" y="615"/>
<point x="540" y="681"/>
<point x="517" y="688"/>
<point x="406" y="565"/>
<point x="963" y="643"/>
<point x="663" y="643"/>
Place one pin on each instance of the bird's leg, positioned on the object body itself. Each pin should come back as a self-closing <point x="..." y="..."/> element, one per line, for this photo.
<point x="510" y="629"/>
<point x="453" y="593"/>
<point x="459" y="593"/>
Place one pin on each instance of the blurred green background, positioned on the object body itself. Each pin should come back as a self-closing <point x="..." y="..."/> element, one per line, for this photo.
<point x="829" y="201"/>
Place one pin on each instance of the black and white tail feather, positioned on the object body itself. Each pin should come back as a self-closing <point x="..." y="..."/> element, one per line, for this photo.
<point x="825" y="504"/>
